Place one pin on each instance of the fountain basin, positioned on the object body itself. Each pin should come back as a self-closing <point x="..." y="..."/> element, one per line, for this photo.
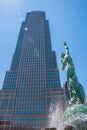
<point x="75" y="117"/>
<point x="74" y="110"/>
<point x="78" y="122"/>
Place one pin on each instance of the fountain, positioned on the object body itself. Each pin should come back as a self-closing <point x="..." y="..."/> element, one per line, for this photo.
<point x="75" y="116"/>
<point x="55" y="116"/>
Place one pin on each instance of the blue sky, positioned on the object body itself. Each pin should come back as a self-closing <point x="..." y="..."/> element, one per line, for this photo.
<point x="67" y="20"/>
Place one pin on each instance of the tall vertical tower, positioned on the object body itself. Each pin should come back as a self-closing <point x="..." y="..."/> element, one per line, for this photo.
<point x="32" y="82"/>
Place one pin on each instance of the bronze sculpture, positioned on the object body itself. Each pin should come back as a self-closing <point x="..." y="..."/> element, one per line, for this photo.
<point x="74" y="86"/>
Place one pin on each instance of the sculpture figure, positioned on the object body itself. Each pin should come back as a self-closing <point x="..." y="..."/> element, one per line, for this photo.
<point x="72" y="80"/>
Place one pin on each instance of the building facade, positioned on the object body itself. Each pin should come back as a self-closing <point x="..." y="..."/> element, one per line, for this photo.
<point x="33" y="81"/>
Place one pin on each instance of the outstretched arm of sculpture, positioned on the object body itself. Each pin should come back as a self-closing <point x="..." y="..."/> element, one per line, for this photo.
<point x="67" y="49"/>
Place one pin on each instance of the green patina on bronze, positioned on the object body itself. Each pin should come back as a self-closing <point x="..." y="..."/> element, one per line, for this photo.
<point x="74" y="86"/>
<point x="76" y="103"/>
<point x="74" y="110"/>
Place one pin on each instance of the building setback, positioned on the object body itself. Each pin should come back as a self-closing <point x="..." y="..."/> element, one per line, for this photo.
<point x="33" y="81"/>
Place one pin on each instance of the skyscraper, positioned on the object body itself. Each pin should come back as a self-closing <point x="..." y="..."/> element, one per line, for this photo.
<point x="32" y="82"/>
